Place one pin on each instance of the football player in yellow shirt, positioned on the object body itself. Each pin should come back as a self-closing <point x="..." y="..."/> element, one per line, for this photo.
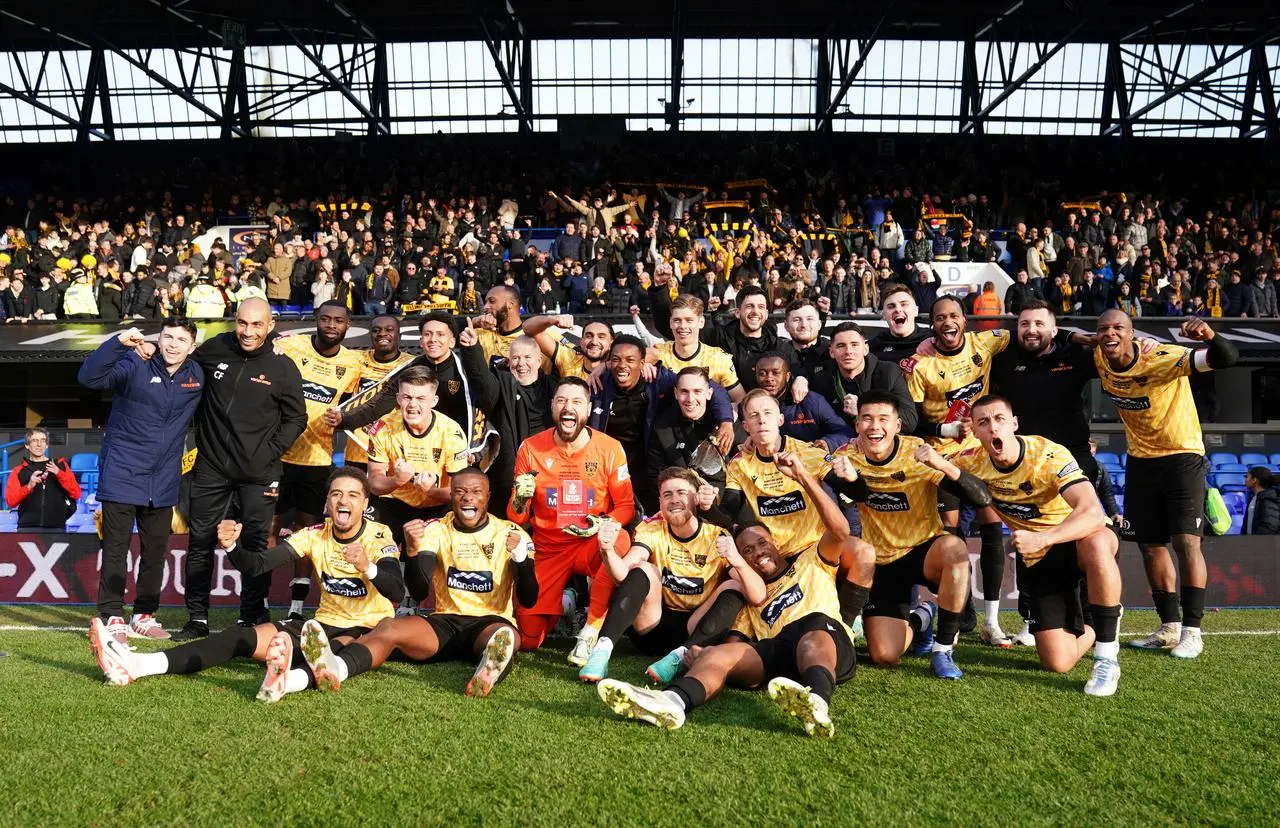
<point x="475" y="564"/>
<point x="1164" y="490"/>
<point x="591" y="351"/>
<point x="680" y="584"/>
<point x="1060" y="532"/>
<point x="357" y="564"/>
<point x="500" y="323"/>
<point x="380" y="361"/>
<point x="687" y="322"/>
<point x="413" y="450"/>
<point x="801" y="648"/>
<point x="329" y="371"/>
<point x="895" y="481"/>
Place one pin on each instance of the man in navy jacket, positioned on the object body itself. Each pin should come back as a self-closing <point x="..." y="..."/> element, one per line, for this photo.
<point x="141" y="463"/>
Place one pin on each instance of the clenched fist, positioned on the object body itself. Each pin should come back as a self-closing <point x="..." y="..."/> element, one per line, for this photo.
<point x="228" y="533"/>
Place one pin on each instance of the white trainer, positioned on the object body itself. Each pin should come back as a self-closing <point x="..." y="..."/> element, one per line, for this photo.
<point x="1189" y="645"/>
<point x="117" y="629"/>
<point x="146" y="626"/>
<point x="1164" y="638"/>
<point x="631" y="702"/>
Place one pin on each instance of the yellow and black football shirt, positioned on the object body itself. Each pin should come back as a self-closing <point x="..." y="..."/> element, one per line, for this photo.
<point x="372" y="372"/>
<point x="441" y="450"/>
<point x="776" y="500"/>
<point x="900" y="510"/>
<point x="1153" y="396"/>
<point x="1028" y="494"/>
<point x="718" y="363"/>
<point x="691" y="568"/>
<point x="569" y="361"/>
<point x="495" y="344"/>
<point x="474" y="574"/>
<point x="936" y="382"/>
<point x="324" y="381"/>
<point x="808" y="585"/>
<point x="347" y="597"/>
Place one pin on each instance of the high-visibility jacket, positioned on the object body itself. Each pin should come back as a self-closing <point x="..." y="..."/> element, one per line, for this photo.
<point x="205" y="302"/>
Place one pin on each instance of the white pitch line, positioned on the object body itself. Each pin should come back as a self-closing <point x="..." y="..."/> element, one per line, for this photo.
<point x="28" y="628"/>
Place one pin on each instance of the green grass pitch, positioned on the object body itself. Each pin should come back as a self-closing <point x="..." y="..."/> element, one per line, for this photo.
<point x="1182" y="743"/>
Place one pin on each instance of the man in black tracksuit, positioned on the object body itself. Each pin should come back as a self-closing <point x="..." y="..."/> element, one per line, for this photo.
<point x="251" y="412"/>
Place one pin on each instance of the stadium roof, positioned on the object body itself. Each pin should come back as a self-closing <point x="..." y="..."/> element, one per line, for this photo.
<point x="38" y="24"/>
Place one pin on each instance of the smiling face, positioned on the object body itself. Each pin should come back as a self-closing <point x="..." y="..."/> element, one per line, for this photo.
<point x="1036" y="330"/>
<point x="757" y="548"/>
<point x="685" y="325"/>
<point x="678" y="500"/>
<point x="900" y="311"/>
<point x="570" y="410"/>
<point x="692" y="393"/>
<point x="437" y="340"/>
<point x="1115" y="336"/>
<point x="345" y="504"/>
<point x="596" y="339"/>
<point x="624" y="363"/>
<point x="753" y="312"/>
<point x="994" y="425"/>
<point x="525" y="360"/>
<point x="384" y="333"/>
<point x="878" y="424"/>
<point x="948" y="323"/>
<point x="332" y="323"/>
<point x="175" y="345"/>
<point x="254" y="323"/>
<point x="469" y="499"/>
<point x="772" y="374"/>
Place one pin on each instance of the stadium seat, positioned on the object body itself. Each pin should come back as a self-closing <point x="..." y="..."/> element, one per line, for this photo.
<point x="1237" y="523"/>
<point x="1275" y="459"/>
<point x="1112" y="468"/>
<point x="9" y="521"/>
<point x="339" y="458"/>
<point x="1232" y="468"/>
<point x="89" y="482"/>
<point x="1235" y="502"/>
<point x="1222" y="458"/>
<point x="1255" y="459"/>
<point x="1124" y="459"/>
<point x="1229" y="481"/>
<point x="1120" y="503"/>
<point x="84" y="462"/>
<point x="1117" y="480"/>
<point x="1107" y="458"/>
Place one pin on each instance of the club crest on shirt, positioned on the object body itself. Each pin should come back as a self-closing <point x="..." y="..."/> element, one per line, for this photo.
<point x="899" y="476"/>
<point x="435" y="455"/>
<point x="1026" y="487"/>
<point x="590" y="468"/>
<point x="340" y="370"/>
<point x="487" y="549"/>
<point x="700" y="560"/>
<point x="455" y="386"/>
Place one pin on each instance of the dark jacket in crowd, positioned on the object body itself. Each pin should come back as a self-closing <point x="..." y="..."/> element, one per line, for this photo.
<point x="49" y="503"/>
<point x="1266" y="513"/>
<point x="877" y="375"/>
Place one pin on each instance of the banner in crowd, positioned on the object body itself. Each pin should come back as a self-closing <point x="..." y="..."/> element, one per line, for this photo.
<point x="59" y="568"/>
<point x="236" y="237"/>
<point x="1258" y="340"/>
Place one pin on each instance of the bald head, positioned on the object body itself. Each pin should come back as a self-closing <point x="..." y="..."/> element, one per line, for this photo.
<point x="254" y="323"/>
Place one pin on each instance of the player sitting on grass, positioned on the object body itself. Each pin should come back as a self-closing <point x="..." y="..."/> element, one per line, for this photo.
<point x="472" y="562"/>
<point x="680" y="584"/>
<point x="1060" y="532"/>
<point x="357" y="564"/>
<point x="801" y="648"/>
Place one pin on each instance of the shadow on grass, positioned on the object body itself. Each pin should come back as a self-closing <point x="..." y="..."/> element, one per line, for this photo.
<point x="88" y="668"/>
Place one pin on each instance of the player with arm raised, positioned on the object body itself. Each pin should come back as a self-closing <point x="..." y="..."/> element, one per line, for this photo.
<point x="478" y="567"/>
<point x="570" y="360"/>
<point x="679" y="585"/>
<point x="801" y="648"/>
<point x="357" y="565"/>
<point x="1164" y="490"/>
<point x="1060" y="532"/>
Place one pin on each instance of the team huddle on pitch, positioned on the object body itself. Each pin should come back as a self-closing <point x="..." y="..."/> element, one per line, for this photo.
<point x="742" y="511"/>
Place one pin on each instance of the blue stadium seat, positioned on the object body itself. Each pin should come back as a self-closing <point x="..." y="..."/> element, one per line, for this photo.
<point x="84" y="462"/>
<point x="1124" y="459"/>
<point x="1229" y="481"/>
<point x="1107" y="458"/>
<point x="1275" y="459"/>
<point x="1112" y="468"/>
<point x="1221" y="458"/>
<point x="89" y="482"/>
<point x="1235" y="502"/>
<point x="339" y="458"/>
<point x="1232" y="468"/>
<point x="1117" y="480"/>
<point x="1120" y="503"/>
<point x="9" y="521"/>
<point x="1237" y="523"/>
<point x="1255" y="459"/>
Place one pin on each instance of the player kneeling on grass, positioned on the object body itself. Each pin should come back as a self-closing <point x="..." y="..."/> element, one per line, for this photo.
<point x="680" y="585"/>
<point x="472" y="562"/>
<point x="801" y="648"/>
<point x="1060" y="532"/>
<point x="357" y="564"/>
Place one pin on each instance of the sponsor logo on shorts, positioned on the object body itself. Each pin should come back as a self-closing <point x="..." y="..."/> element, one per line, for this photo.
<point x="469" y="581"/>
<point x="343" y="587"/>
<point x="777" y="505"/>
<point x="888" y="501"/>
<point x="789" y="598"/>
<point x="1131" y="403"/>
<point x="967" y="392"/>
<point x="315" y="392"/>
<point x="1021" y="511"/>
<point x="680" y="585"/>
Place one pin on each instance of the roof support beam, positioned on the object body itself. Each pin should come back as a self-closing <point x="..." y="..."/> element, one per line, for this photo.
<point x="376" y="125"/>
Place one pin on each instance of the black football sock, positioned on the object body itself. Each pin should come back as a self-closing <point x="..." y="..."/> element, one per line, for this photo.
<point x="717" y="619"/>
<point x="690" y="691"/>
<point x="948" y="627"/>
<point x="357" y="658"/>
<point x="1192" y="606"/>
<point x="820" y="681"/>
<point x="625" y="604"/>
<point x="1106" y="622"/>
<point x="203" y="653"/>
<point x="853" y="597"/>
<point x="1167" y="606"/>
<point x="991" y="560"/>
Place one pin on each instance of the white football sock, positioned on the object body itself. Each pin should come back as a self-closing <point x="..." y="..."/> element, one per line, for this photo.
<point x="150" y="664"/>
<point x="992" y="612"/>
<point x="675" y="697"/>
<point x="296" y="680"/>
<point x="604" y="644"/>
<point x="295" y="607"/>
<point x="1107" y="649"/>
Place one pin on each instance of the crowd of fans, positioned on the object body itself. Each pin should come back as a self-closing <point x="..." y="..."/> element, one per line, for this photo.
<point x="760" y="215"/>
